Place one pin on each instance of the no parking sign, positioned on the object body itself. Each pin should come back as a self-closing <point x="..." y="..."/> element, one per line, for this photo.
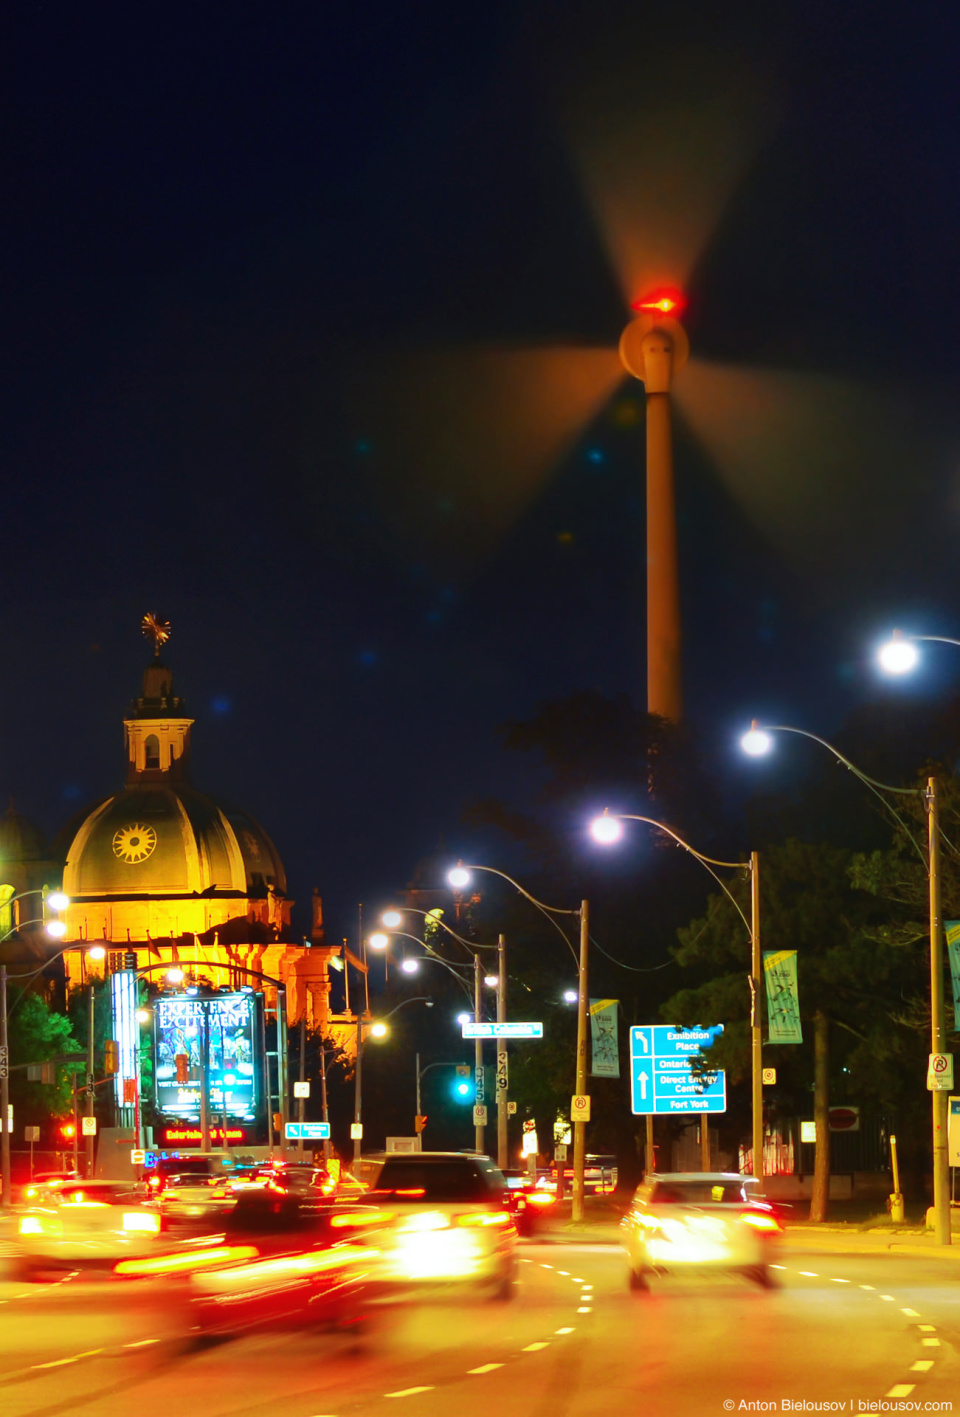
<point x="580" y="1107"/>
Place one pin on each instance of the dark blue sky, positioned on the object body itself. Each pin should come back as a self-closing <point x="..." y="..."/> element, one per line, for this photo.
<point x="229" y="234"/>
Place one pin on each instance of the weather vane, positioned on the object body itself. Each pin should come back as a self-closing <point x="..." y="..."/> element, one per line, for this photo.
<point x="157" y="630"/>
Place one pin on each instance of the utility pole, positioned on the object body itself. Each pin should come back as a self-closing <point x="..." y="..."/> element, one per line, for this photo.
<point x="303" y="1078"/>
<point x="91" y="1138"/>
<point x="357" y="1086"/>
<point x="283" y="1084"/>
<point x="478" y="1098"/>
<point x="205" y="1078"/>
<point x="5" y="1196"/>
<point x="323" y="1091"/>
<point x="580" y="1128"/>
<point x="503" y="1086"/>
<point x="938" y="1035"/>
<point x="756" y="1018"/>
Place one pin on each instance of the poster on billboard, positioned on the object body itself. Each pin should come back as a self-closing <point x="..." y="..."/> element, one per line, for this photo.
<point x="226" y="1023"/>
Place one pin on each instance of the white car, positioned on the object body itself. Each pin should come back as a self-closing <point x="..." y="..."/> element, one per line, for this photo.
<point x="84" y="1225"/>
<point x="440" y="1217"/>
<point x="688" y="1221"/>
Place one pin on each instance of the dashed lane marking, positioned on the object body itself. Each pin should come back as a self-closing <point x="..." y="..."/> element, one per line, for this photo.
<point x="922" y="1365"/>
<point x="62" y="1362"/>
<point x="930" y="1342"/>
<point x="485" y="1368"/>
<point x="408" y="1391"/>
<point x="900" y="1390"/>
<point x="534" y="1347"/>
<point x="888" y="1297"/>
<point x="564" y="1330"/>
<point x="927" y="1328"/>
<point x="141" y="1343"/>
<point x="871" y="1287"/>
<point x="910" y="1313"/>
<point x="585" y="1309"/>
<point x="839" y="1281"/>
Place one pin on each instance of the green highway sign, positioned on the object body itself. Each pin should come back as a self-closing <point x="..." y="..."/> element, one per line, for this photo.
<point x="502" y="1030"/>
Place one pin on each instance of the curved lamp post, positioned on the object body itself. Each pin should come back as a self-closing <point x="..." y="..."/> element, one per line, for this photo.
<point x="378" y="1029"/>
<point x="392" y="918"/>
<point x="606" y="830"/>
<point x="56" y="929"/>
<point x="459" y="877"/>
<point x="899" y="655"/>
<point x="757" y="742"/>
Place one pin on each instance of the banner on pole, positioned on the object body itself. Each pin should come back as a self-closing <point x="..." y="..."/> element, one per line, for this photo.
<point x="783" y="997"/>
<point x="605" y="1052"/>
<point x="953" y="949"/>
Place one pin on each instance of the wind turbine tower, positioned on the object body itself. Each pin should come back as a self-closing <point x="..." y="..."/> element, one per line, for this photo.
<point x="653" y="348"/>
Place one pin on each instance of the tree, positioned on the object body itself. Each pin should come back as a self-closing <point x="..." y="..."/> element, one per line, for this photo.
<point x="851" y="984"/>
<point x="37" y="1032"/>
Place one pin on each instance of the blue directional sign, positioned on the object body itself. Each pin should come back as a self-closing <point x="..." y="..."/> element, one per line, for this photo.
<point x="307" y="1131"/>
<point x="661" y="1072"/>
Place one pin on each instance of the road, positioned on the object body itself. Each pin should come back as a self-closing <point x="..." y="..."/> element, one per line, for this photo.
<point x="851" y="1329"/>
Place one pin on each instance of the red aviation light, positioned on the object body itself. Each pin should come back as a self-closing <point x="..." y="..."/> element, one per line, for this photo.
<point x="665" y="302"/>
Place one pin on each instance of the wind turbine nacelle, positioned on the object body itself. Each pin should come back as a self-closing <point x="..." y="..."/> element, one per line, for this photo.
<point x="653" y="348"/>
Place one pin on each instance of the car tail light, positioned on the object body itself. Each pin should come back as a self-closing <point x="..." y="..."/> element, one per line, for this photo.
<point x="541" y="1198"/>
<point x="426" y="1220"/>
<point x="196" y="1259"/>
<point x="759" y="1220"/>
<point x="362" y="1217"/>
<point x="141" y="1220"/>
<point x="483" y="1217"/>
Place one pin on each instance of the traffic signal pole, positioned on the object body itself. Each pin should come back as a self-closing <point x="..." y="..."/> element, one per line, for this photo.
<point x="580" y="1128"/>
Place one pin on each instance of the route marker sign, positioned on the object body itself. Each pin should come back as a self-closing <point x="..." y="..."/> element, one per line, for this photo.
<point x="301" y="1089"/>
<point x="661" y="1072"/>
<point x="502" y="1030"/>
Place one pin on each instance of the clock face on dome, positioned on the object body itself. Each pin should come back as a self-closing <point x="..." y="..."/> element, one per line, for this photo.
<point x="134" y="843"/>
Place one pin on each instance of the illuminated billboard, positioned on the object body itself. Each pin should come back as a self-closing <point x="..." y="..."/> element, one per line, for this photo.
<point x="224" y="1028"/>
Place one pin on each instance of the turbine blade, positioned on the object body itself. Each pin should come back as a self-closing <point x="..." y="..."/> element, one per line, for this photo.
<point x="462" y="439"/>
<point x="661" y="138"/>
<point x="816" y="462"/>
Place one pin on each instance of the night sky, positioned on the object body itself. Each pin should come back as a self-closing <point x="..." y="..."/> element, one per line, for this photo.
<point x="307" y="320"/>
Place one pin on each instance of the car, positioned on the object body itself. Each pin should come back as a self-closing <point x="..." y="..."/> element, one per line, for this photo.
<point x="191" y="1200"/>
<point x="528" y="1201"/>
<point x="689" y="1221"/>
<point x="84" y="1225"/>
<point x="441" y="1217"/>
<point x="293" y="1176"/>
<point x="200" y="1164"/>
<point x="282" y="1260"/>
<point x="44" y="1182"/>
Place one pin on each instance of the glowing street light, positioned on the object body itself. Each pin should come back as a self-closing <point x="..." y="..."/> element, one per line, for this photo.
<point x="56" y="929"/>
<point x="898" y="655"/>
<point x="756" y="742"/>
<point x="174" y="976"/>
<point x="569" y="996"/>
<point x="378" y="1030"/>
<point x="410" y="965"/>
<point x="97" y="952"/>
<point x="492" y="981"/>
<point x="378" y="941"/>
<point x="464" y="1017"/>
<point x="459" y="878"/>
<point x="57" y="900"/>
<point x="393" y="919"/>
<point x="606" y="829"/>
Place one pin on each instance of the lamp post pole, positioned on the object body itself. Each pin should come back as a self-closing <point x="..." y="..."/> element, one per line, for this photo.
<point x="358" y="1088"/>
<point x="503" y="1084"/>
<point x="478" y="1127"/>
<point x="91" y="1138"/>
<point x="5" y="1196"/>
<point x="756" y="1021"/>
<point x="303" y="1078"/>
<point x="938" y="1036"/>
<point x="580" y="1128"/>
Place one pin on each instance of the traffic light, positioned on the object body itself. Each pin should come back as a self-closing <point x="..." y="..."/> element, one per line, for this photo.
<point x="182" y="1061"/>
<point x="419" y="1123"/>
<point x="67" y="1131"/>
<point x="462" y="1085"/>
<point x="111" y="1056"/>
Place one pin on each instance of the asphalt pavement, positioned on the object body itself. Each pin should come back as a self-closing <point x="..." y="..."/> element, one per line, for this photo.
<point x="854" y="1323"/>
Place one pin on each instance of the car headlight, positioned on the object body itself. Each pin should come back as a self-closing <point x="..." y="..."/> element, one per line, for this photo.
<point x="141" y="1220"/>
<point x="31" y="1225"/>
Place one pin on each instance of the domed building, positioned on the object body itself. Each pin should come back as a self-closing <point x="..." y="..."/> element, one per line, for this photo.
<point x="162" y="874"/>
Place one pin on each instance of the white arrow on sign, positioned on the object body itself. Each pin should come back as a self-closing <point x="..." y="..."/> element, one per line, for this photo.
<point x="642" y="1078"/>
<point x="644" y="1040"/>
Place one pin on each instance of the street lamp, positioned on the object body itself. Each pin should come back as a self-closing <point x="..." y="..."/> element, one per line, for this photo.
<point x="56" y="929"/>
<point x="606" y="830"/>
<point x="377" y="1029"/>
<point x="899" y="655"/>
<point x="459" y="878"/>
<point x="938" y="1034"/>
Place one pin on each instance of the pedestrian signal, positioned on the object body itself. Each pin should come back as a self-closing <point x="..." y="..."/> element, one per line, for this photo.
<point x="419" y="1123"/>
<point x="111" y="1056"/>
